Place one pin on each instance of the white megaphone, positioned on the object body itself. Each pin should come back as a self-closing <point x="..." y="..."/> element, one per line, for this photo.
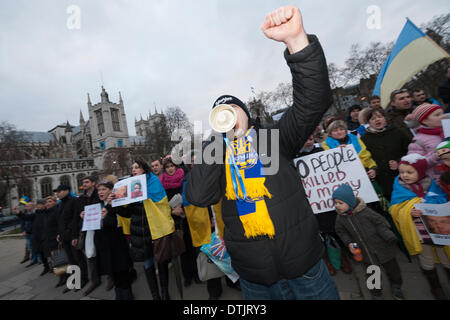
<point x="222" y="118"/>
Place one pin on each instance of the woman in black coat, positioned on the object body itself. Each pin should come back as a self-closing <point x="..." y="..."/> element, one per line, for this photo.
<point x="387" y="144"/>
<point x="141" y="240"/>
<point x="112" y="252"/>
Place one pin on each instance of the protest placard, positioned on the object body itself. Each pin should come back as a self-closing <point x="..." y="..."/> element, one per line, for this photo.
<point x="324" y="172"/>
<point x="436" y="218"/>
<point x="92" y="217"/>
<point x="130" y="190"/>
<point x="446" y="127"/>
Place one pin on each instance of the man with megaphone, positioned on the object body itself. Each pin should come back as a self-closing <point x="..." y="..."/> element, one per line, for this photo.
<point x="270" y="230"/>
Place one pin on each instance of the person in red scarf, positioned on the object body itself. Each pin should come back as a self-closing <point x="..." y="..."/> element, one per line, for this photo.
<point x="428" y="135"/>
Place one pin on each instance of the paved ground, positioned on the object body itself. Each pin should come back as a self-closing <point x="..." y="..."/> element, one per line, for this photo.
<point x="20" y="283"/>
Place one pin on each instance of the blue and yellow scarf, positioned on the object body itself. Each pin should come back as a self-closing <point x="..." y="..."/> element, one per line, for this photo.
<point x="245" y="184"/>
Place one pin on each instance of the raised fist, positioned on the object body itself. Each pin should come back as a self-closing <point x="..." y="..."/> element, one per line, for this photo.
<point x="285" y="25"/>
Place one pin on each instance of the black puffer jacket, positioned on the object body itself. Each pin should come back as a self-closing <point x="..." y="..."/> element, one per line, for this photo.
<point x="296" y="246"/>
<point x="141" y="238"/>
<point x="67" y="208"/>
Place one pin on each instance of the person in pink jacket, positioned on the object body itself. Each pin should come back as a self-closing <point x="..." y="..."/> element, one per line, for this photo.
<point x="428" y="135"/>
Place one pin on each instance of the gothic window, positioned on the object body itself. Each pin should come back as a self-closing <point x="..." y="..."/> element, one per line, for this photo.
<point x="100" y="124"/>
<point x="115" y="119"/>
<point x="25" y="188"/>
<point x="83" y="165"/>
<point x="63" y="166"/>
<point x="27" y="170"/>
<point x="35" y="168"/>
<point x="80" y="180"/>
<point x="65" y="180"/>
<point x="46" y="187"/>
<point x="54" y="167"/>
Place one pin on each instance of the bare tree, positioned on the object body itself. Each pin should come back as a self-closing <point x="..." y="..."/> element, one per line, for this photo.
<point x="11" y="153"/>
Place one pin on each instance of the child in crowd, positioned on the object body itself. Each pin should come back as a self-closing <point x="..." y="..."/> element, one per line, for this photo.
<point x="356" y="223"/>
<point x="428" y="135"/>
<point x="413" y="186"/>
<point x="443" y="152"/>
<point x="338" y="136"/>
<point x="309" y="147"/>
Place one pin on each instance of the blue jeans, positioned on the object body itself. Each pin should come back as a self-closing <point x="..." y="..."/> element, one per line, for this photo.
<point x="315" y="284"/>
<point x="29" y="239"/>
<point x="148" y="263"/>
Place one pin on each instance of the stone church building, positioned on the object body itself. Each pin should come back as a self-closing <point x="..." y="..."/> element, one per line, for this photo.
<point x="67" y="153"/>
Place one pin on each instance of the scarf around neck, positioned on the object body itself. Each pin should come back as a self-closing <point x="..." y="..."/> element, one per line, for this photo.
<point x="245" y="184"/>
<point x="172" y="182"/>
<point x="432" y="131"/>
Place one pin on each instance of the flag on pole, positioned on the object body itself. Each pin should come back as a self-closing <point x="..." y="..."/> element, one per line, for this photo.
<point x="412" y="52"/>
<point x="24" y="200"/>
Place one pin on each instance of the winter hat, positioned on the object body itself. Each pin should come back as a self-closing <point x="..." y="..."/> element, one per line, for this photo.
<point x="229" y="99"/>
<point x="418" y="162"/>
<point x="345" y="193"/>
<point x="443" y="147"/>
<point x="423" y="111"/>
<point x="336" y="125"/>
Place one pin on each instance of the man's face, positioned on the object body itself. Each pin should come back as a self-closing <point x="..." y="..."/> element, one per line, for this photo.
<point x="40" y="206"/>
<point x="156" y="167"/>
<point x="29" y="207"/>
<point x="419" y="96"/>
<point x="375" y="103"/>
<point x="88" y="185"/>
<point x="50" y="203"/>
<point x="402" y="101"/>
<point x="354" y="115"/>
<point x="62" y="194"/>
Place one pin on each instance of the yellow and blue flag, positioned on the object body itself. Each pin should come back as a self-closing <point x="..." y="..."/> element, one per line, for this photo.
<point x="412" y="52"/>
<point x="24" y="200"/>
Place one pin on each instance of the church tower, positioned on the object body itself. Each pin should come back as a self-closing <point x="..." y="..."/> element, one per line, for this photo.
<point x="108" y="126"/>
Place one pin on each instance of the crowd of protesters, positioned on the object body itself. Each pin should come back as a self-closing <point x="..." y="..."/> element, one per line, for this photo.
<point x="276" y="244"/>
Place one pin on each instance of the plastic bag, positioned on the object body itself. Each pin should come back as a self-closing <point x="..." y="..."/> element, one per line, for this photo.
<point x="90" y="245"/>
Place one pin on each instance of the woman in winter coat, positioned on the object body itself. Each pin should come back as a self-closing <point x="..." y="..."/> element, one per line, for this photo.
<point x="112" y="251"/>
<point x="140" y="228"/>
<point x="387" y="144"/>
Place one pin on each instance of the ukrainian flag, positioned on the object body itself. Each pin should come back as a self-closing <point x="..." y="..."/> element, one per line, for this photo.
<point x="198" y="221"/>
<point x="157" y="209"/>
<point x="412" y="52"/>
<point x="24" y="200"/>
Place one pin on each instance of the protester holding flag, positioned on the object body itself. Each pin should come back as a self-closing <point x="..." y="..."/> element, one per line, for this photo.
<point x="272" y="237"/>
<point x="150" y="220"/>
<point x="413" y="186"/>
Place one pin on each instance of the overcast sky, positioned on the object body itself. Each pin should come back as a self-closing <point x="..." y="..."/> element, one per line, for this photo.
<point x="164" y="53"/>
